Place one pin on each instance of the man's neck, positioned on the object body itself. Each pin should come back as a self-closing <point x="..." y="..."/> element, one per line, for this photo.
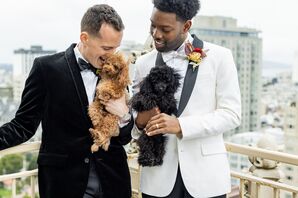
<point x="183" y="40"/>
<point x="81" y="50"/>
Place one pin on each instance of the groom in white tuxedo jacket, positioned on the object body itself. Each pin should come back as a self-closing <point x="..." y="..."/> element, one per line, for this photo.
<point x="195" y="163"/>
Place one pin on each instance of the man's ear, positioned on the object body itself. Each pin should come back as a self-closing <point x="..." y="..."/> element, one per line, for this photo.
<point x="187" y="26"/>
<point x="84" y="36"/>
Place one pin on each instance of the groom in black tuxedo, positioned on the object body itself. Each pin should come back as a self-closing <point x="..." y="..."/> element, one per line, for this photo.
<point x="57" y="93"/>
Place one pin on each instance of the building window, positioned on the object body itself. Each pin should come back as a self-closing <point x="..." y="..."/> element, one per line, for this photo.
<point x="289" y="168"/>
<point x="289" y="177"/>
<point x="233" y="165"/>
<point x="288" y="196"/>
<point x="224" y="23"/>
<point x="244" y="34"/>
<point x="223" y="42"/>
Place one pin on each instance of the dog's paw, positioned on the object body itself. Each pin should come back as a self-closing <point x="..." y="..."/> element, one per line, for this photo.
<point x="94" y="148"/>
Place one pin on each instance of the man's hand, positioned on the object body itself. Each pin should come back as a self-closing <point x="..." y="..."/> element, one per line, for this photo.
<point x="162" y="124"/>
<point x="117" y="107"/>
<point x="144" y="116"/>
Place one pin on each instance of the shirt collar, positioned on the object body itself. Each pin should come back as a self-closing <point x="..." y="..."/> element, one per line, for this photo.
<point x="179" y="53"/>
<point x="78" y="54"/>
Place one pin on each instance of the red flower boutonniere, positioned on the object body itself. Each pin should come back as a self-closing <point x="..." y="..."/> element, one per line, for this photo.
<point x="195" y="55"/>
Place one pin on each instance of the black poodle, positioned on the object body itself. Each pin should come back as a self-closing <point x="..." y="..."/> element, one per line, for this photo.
<point x="156" y="90"/>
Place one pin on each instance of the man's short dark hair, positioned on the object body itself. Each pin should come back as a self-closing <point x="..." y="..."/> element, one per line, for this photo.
<point x="184" y="9"/>
<point x="99" y="14"/>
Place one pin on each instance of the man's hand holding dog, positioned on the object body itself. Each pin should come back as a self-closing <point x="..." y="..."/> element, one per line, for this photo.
<point x="117" y="107"/>
<point x="162" y="124"/>
<point x="144" y="116"/>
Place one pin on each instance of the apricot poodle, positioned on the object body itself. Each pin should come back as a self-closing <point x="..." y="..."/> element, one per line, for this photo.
<point x="114" y="79"/>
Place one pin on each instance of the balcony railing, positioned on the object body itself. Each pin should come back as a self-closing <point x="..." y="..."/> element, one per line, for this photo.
<point x="23" y="148"/>
<point x="135" y="169"/>
<point x="265" y="154"/>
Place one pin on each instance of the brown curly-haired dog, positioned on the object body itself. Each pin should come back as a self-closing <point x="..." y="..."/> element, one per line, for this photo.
<point x="112" y="85"/>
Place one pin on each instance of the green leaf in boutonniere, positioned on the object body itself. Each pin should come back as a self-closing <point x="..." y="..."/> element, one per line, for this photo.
<point x="97" y="72"/>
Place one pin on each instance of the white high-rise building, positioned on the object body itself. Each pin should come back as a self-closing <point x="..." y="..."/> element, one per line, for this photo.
<point x="22" y="63"/>
<point x="246" y="46"/>
<point x="295" y="68"/>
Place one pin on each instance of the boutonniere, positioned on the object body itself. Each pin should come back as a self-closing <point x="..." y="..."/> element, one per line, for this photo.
<point x="195" y="55"/>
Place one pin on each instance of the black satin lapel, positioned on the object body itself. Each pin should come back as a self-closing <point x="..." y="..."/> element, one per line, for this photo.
<point x="189" y="80"/>
<point x="77" y="79"/>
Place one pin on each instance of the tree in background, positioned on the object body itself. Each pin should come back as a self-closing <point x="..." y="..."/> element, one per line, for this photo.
<point x="11" y="164"/>
<point x="31" y="159"/>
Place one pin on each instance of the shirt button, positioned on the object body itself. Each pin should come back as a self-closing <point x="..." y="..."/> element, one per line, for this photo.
<point x="86" y="160"/>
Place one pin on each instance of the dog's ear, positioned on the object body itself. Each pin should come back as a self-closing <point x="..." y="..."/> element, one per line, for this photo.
<point x="131" y="59"/>
<point x="146" y="86"/>
<point x="123" y="75"/>
<point x="176" y="80"/>
<point x="108" y="69"/>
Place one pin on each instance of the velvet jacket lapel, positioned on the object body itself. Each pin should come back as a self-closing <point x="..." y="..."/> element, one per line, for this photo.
<point x="77" y="79"/>
<point x="189" y="80"/>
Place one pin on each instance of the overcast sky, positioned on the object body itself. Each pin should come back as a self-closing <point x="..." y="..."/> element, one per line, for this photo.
<point x="55" y="24"/>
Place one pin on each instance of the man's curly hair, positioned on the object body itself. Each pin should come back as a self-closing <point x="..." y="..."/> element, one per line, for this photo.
<point x="184" y="9"/>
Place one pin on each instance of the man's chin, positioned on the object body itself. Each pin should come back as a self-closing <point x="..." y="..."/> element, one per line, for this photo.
<point x="162" y="49"/>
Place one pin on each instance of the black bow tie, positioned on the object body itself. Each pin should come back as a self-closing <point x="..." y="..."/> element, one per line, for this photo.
<point x="84" y="65"/>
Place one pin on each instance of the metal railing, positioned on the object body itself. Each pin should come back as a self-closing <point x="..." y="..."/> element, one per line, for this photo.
<point x="265" y="154"/>
<point x="134" y="169"/>
<point x="23" y="148"/>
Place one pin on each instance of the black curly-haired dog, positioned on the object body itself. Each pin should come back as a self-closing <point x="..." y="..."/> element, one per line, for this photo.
<point x="156" y="90"/>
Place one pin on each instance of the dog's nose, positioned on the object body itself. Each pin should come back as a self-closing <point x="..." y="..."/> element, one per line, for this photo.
<point x="161" y="87"/>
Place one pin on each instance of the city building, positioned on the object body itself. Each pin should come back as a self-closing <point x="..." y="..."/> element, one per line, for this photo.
<point x="280" y="99"/>
<point x="291" y="139"/>
<point x="246" y="46"/>
<point x="6" y="81"/>
<point x="295" y="68"/>
<point x="22" y="63"/>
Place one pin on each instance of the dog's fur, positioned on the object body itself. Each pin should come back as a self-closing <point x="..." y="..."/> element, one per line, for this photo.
<point x="156" y="90"/>
<point x="114" y="79"/>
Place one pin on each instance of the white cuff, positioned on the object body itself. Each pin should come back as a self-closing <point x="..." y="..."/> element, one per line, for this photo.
<point x="135" y="132"/>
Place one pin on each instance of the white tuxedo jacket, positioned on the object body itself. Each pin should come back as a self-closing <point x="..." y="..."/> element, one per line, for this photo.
<point x="213" y="108"/>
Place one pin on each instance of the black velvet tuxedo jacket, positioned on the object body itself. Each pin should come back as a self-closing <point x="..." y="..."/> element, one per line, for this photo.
<point x="54" y="95"/>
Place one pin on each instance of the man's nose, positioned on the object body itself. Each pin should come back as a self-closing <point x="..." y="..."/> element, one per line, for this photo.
<point x="156" y="33"/>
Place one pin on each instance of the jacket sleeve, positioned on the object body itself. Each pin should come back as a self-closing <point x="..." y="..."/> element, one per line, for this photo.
<point x="136" y="133"/>
<point x="125" y="133"/>
<point x="227" y="114"/>
<point x="29" y="114"/>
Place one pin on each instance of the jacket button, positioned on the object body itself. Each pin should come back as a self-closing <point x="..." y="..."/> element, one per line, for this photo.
<point x="86" y="160"/>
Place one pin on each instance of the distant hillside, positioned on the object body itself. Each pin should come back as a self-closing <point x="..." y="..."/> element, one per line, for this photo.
<point x="270" y="68"/>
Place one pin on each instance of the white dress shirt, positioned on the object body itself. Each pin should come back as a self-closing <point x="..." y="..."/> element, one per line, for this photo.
<point x="178" y="61"/>
<point x="89" y="78"/>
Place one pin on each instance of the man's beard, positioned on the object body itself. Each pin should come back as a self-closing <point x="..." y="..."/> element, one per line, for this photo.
<point x="169" y="46"/>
